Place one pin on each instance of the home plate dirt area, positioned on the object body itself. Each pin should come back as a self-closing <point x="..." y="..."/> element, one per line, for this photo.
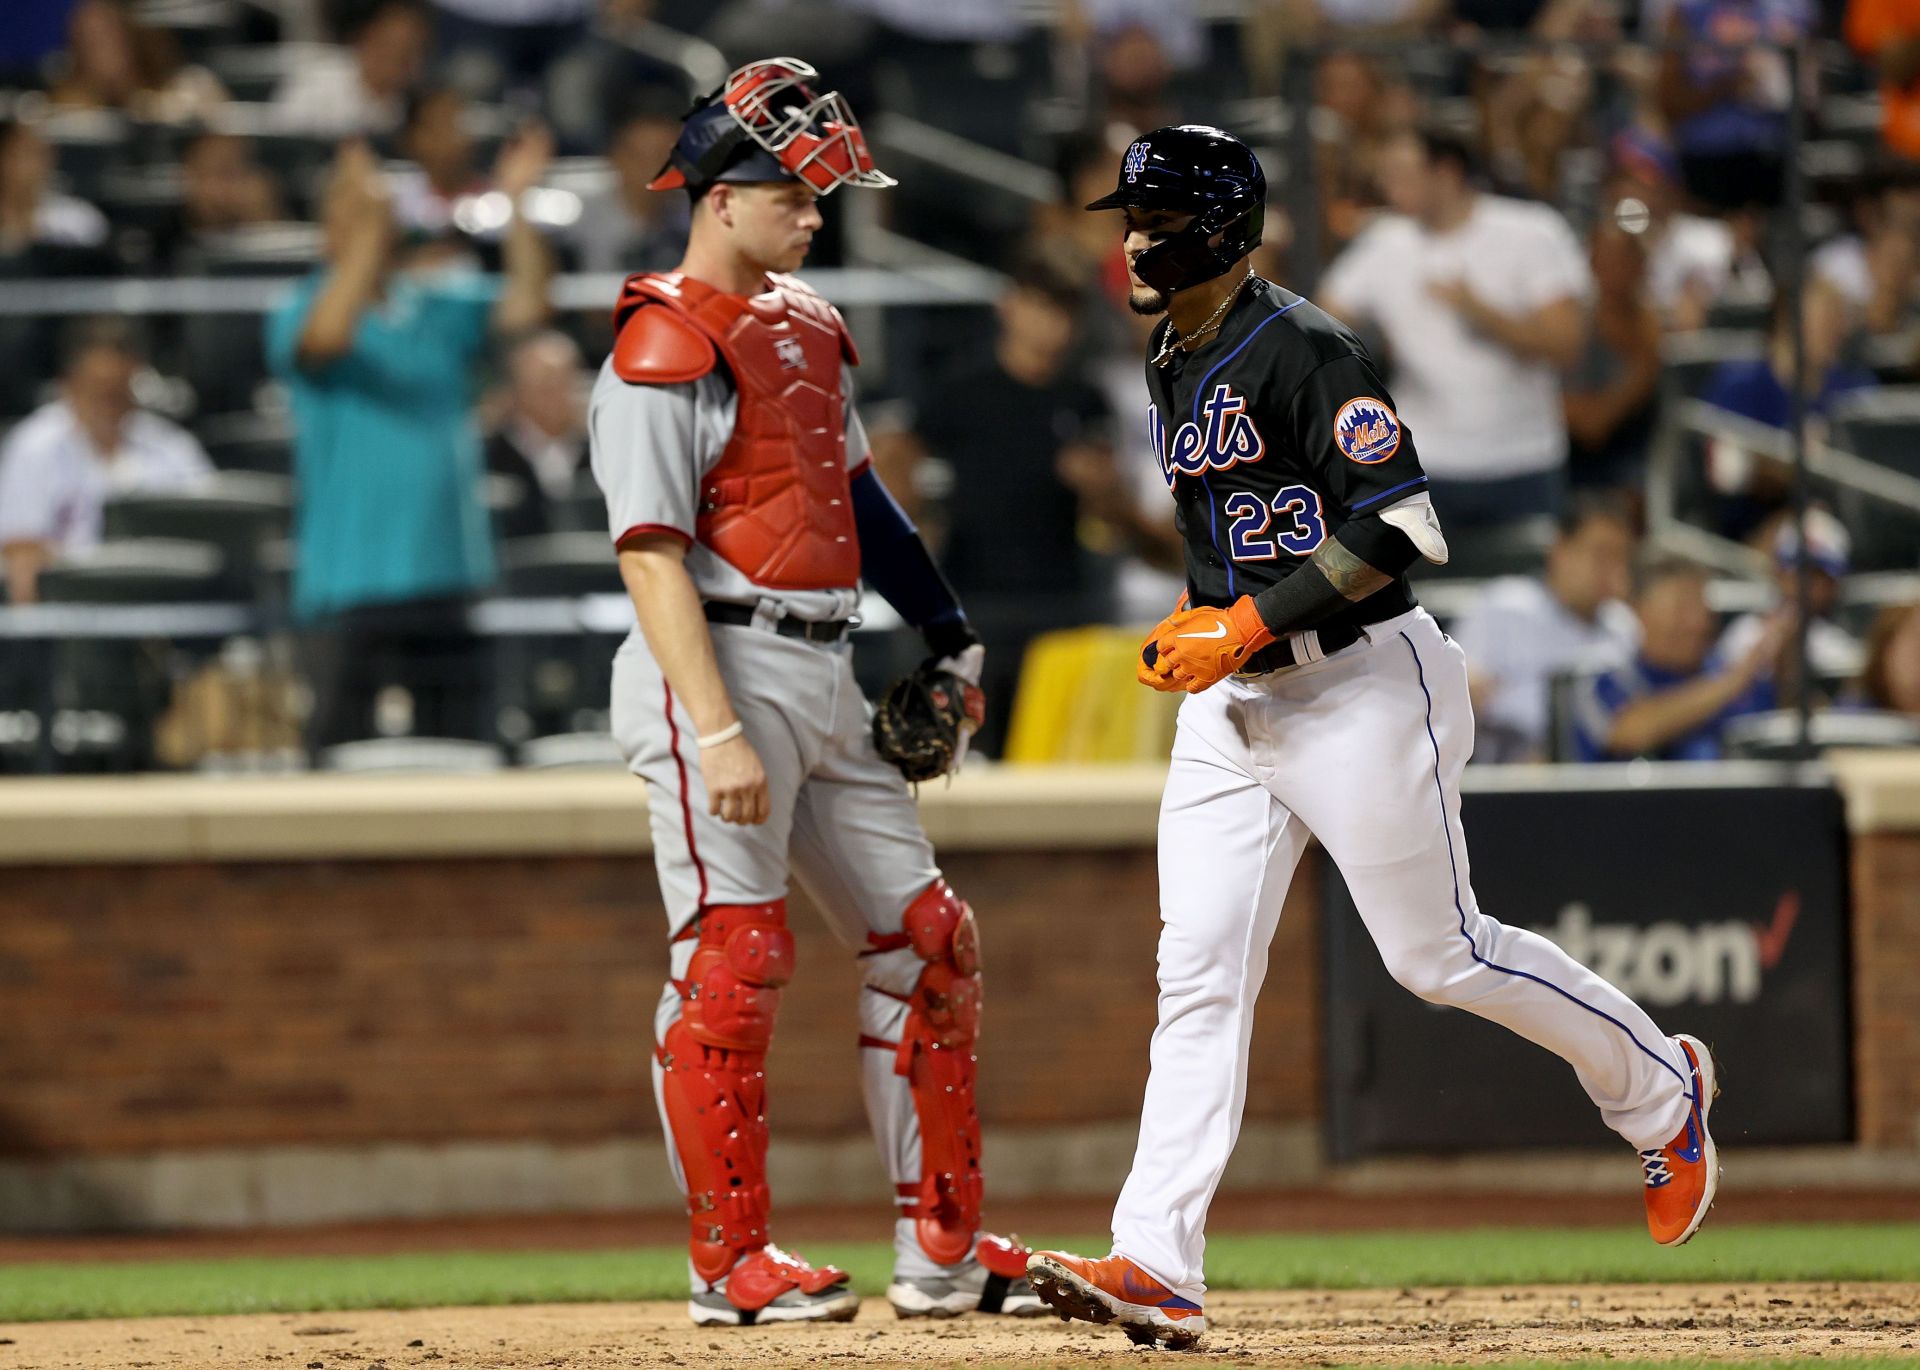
<point x="1454" y="1326"/>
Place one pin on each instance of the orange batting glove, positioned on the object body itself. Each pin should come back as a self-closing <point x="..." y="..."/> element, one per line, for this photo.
<point x="1195" y="648"/>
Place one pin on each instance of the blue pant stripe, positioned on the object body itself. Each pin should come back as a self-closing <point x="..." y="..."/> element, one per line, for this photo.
<point x="1460" y="910"/>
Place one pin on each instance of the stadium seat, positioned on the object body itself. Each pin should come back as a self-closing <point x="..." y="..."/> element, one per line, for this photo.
<point x="1078" y="701"/>
<point x="136" y="571"/>
<point x="413" y="754"/>
<point x="571" y="751"/>
<point x="224" y="354"/>
<point x="1882" y="427"/>
<point x="233" y="511"/>
<point x="559" y="564"/>
<point x="1688" y="360"/>
<point x="248" y="441"/>
<point x="1775" y="736"/>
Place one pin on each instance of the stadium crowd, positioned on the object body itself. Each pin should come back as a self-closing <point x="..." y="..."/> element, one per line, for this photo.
<point x="1559" y="222"/>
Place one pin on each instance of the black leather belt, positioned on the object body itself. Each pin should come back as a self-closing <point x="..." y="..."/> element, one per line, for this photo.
<point x="742" y="615"/>
<point x="1300" y="648"/>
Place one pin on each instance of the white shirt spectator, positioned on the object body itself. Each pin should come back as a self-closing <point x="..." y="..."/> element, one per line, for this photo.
<point x="53" y="482"/>
<point x="1832" y="651"/>
<point x="1477" y="411"/>
<point x="1519" y="636"/>
<point x="62" y="221"/>
<point x="1692" y="257"/>
<point x="1842" y="263"/>
<point x="324" y="97"/>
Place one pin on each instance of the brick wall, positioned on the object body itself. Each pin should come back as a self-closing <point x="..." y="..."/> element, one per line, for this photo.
<point x="181" y="1007"/>
<point x="1886" y="995"/>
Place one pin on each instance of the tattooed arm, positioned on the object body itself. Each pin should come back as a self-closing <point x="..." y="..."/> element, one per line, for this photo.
<point x="1334" y="577"/>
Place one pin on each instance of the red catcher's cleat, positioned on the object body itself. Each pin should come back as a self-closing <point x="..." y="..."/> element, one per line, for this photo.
<point x="1118" y="1291"/>
<point x="770" y="1285"/>
<point x="1683" y="1175"/>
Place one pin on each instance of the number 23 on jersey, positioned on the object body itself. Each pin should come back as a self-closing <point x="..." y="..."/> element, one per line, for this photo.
<point x="1261" y="531"/>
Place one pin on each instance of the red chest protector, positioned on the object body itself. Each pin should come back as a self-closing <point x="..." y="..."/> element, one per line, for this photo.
<point x="777" y="505"/>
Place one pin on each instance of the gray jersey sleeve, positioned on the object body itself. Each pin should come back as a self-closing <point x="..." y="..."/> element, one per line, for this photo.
<point x="652" y="444"/>
<point x="858" y="453"/>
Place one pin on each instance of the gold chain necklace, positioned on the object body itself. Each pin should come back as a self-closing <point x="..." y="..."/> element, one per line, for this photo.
<point x="1173" y="339"/>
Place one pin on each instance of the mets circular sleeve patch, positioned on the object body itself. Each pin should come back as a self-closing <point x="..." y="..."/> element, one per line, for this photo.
<point x="1367" y="430"/>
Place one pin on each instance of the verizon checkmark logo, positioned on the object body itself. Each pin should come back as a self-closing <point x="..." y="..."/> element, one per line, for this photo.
<point x="1772" y="939"/>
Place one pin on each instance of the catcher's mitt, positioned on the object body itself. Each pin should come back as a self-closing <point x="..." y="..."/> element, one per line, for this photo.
<point x="922" y="722"/>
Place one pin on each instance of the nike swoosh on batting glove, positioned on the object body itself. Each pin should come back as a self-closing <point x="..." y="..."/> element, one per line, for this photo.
<point x="1197" y="648"/>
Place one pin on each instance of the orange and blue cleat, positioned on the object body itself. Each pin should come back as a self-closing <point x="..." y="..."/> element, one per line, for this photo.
<point x="1683" y="1174"/>
<point x="1118" y="1291"/>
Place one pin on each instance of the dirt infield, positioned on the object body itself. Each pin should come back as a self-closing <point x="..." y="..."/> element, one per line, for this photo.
<point x="1450" y="1326"/>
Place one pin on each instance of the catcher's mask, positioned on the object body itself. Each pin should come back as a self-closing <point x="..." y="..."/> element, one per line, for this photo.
<point x="767" y="123"/>
<point x="1202" y="171"/>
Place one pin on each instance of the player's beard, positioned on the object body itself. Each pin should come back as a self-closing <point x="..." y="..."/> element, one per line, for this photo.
<point x="1145" y="300"/>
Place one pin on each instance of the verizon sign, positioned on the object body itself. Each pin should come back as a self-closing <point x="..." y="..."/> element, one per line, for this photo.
<point x="1721" y="911"/>
<point x="1670" y="962"/>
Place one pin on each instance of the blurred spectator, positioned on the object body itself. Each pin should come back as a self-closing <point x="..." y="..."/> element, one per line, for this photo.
<point x="1692" y="261"/>
<point x="627" y="227"/>
<point x="496" y="48"/>
<point x="436" y="140"/>
<point x="1004" y="427"/>
<point x="1725" y="98"/>
<point x="361" y="89"/>
<point x="391" y="535"/>
<point x="1673" y="700"/>
<point x="1176" y="25"/>
<point x="1523" y="631"/>
<point x="1357" y="112"/>
<point x="1134" y="79"/>
<point x="222" y="188"/>
<point x="604" y="78"/>
<point x="1611" y="399"/>
<point x="1533" y="105"/>
<point x="1754" y="484"/>
<point x="1276" y="27"/>
<point x="115" y="62"/>
<point x="1877" y="266"/>
<point x="41" y="229"/>
<point x="1891" y="678"/>
<point x="541" y="443"/>
<point x="60" y="465"/>
<point x="1482" y="301"/>
<point x="1886" y="33"/>
<point x="1832" y="651"/>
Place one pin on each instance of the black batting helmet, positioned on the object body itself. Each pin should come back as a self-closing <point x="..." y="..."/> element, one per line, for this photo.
<point x="1198" y="170"/>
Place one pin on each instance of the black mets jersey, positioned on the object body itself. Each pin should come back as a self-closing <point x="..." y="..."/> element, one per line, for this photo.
<point x="1272" y="438"/>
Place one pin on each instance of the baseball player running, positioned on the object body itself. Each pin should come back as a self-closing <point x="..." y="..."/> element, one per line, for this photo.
<point x="745" y="511"/>
<point x="1322" y="701"/>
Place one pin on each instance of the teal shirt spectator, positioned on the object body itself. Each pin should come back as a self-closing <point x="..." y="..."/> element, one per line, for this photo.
<point x="386" y="451"/>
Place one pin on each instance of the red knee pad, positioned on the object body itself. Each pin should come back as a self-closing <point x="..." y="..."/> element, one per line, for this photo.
<point x="733" y="982"/>
<point x="936" y="1056"/>
<point x="714" y="1081"/>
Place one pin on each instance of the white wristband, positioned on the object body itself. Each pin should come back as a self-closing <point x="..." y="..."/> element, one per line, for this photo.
<point x="726" y="734"/>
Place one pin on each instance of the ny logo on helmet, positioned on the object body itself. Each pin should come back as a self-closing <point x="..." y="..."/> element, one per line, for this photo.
<point x="1136" y="161"/>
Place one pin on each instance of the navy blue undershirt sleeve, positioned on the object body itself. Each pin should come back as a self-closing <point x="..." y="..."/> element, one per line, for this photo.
<point x="894" y="561"/>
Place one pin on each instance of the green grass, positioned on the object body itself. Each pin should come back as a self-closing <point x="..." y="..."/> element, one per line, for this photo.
<point x="34" y="1292"/>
